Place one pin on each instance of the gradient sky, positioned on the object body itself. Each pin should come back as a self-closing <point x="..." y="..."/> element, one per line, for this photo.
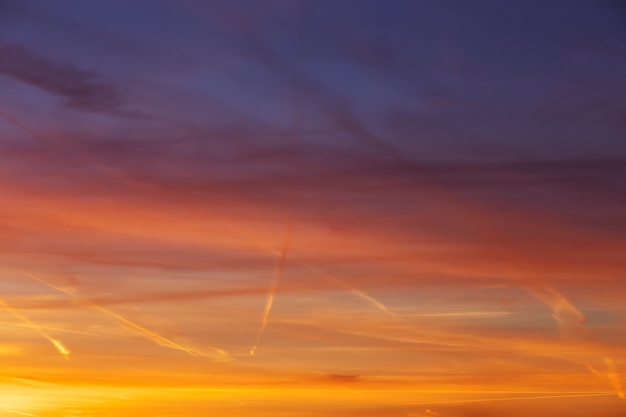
<point x="306" y="208"/>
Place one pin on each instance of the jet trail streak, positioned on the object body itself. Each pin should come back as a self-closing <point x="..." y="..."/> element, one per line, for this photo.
<point x="611" y="375"/>
<point x="360" y="294"/>
<point x="56" y="343"/>
<point x="380" y="306"/>
<point x="536" y="397"/>
<point x="278" y="272"/>
<point x="572" y="326"/>
<point x="149" y="334"/>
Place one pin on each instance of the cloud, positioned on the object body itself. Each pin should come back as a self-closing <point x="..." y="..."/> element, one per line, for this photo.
<point x="571" y="320"/>
<point x="611" y="374"/>
<point x="426" y="413"/>
<point x="340" y="379"/>
<point x="81" y="89"/>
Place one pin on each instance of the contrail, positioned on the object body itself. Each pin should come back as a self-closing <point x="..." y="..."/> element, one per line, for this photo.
<point x="373" y="301"/>
<point x="537" y="397"/>
<point x="572" y="326"/>
<point x="19" y="412"/>
<point x="148" y="334"/>
<point x="570" y="319"/>
<point x="361" y="294"/>
<point x="612" y="375"/>
<point x="56" y="343"/>
<point x="278" y="273"/>
<point x="27" y="129"/>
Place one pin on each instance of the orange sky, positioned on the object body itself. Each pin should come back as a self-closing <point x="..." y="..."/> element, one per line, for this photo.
<point x="160" y="305"/>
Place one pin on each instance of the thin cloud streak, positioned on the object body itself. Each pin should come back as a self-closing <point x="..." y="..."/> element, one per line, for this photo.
<point x="149" y="334"/>
<point x="278" y="273"/>
<point x="58" y="345"/>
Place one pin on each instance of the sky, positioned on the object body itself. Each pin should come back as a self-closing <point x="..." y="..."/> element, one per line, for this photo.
<point x="309" y="208"/>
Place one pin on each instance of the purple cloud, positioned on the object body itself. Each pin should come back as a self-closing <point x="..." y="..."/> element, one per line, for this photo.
<point x="81" y="89"/>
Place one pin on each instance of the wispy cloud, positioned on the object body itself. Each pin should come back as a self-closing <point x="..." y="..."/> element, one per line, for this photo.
<point x="81" y="89"/>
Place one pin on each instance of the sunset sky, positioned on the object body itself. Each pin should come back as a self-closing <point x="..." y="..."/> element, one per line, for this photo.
<point x="307" y="208"/>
